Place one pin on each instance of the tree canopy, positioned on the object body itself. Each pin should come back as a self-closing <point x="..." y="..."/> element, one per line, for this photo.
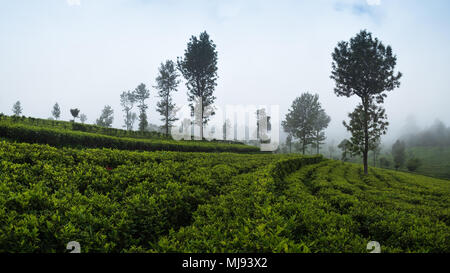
<point x="166" y="83"/>
<point x="17" y="108"/>
<point x="56" y="112"/>
<point x="364" y="67"/>
<point x="141" y="93"/>
<point x="75" y="113"/>
<point x="127" y="101"/>
<point x="199" y="68"/>
<point x="305" y="120"/>
<point x="106" y="118"/>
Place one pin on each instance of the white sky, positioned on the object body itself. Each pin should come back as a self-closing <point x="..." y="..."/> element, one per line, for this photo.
<point x="84" y="53"/>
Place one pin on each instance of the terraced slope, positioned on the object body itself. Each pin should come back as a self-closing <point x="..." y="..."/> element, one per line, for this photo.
<point x="324" y="207"/>
<point x="59" y="137"/>
<point x="123" y="201"/>
<point x="108" y="200"/>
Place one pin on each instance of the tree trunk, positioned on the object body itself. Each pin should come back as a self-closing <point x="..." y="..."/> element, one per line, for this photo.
<point x="201" y="123"/>
<point x="167" y="116"/>
<point x="303" y="146"/>
<point x="318" y="148"/>
<point x="366" y="137"/>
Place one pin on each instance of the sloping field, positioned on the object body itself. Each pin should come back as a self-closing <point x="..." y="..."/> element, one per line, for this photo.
<point x="124" y="201"/>
<point x="435" y="160"/>
<point x="63" y="137"/>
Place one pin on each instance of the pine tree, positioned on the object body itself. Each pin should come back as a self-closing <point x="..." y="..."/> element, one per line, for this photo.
<point x="141" y="93"/>
<point x="17" y="109"/>
<point x="167" y="82"/>
<point x="106" y="118"/>
<point x="320" y="123"/>
<point x="199" y="68"/>
<point x="127" y="100"/>
<point x="56" y="112"/>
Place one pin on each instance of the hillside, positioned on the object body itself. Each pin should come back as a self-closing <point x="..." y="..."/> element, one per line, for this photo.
<point x="124" y="201"/>
<point x="435" y="160"/>
<point x="65" y="134"/>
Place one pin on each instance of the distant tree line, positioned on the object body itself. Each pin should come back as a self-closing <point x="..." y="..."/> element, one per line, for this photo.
<point x="437" y="135"/>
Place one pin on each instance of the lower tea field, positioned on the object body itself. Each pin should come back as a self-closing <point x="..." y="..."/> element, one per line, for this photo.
<point x="124" y="201"/>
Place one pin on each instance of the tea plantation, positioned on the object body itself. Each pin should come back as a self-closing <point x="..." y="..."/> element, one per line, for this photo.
<point x="112" y="200"/>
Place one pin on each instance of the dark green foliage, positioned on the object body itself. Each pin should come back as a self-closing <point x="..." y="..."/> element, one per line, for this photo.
<point x="167" y="82"/>
<point x="306" y="120"/>
<point x="141" y="93"/>
<point x="345" y="147"/>
<point x="413" y="164"/>
<point x="60" y="138"/>
<point x="199" y="68"/>
<point x="56" y="112"/>
<point x="122" y="201"/>
<point x="365" y="67"/>
<point x="74" y="113"/>
<point x="108" y="200"/>
<point x="376" y="127"/>
<point x="384" y="162"/>
<point x="320" y="124"/>
<point x="312" y="205"/>
<point x="106" y="118"/>
<point x="289" y="142"/>
<point x="398" y="154"/>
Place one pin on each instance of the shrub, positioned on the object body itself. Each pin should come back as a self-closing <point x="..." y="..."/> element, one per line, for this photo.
<point x="413" y="164"/>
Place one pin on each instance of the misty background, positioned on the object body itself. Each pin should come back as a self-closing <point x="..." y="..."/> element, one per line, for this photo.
<point x="85" y="53"/>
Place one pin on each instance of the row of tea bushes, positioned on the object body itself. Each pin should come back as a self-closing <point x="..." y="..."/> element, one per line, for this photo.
<point x="107" y="200"/>
<point x="66" y="138"/>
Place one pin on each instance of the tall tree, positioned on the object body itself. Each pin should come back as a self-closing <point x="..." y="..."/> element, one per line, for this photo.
<point x="83" y="118"/>
<point x="320" y="123"/>
<point x="56" y="112"/>
<point x="398" y="153"/>
<point x="166" y="83"/>
<point x="289" y="142"/>
<point x="17" y="109"/>
<point x="366" y="126"/>
<point x="106" y="118"/>
<point x="301" y="118"/>
<point x="199" y="68"/>
<point x="141" y="93"/>
<point x="345" y="147"/>
<point x="75" y="113"/>
<point x="133" y="119"/>
<point x="127" y="100"/>
<point x="376" y="149"/>
<point x="364" y="67"/>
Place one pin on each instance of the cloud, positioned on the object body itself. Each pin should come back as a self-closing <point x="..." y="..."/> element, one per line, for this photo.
<point x="73" y="2"/>
<point x="373" y="2"/>
<point x="358" y="7"/>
